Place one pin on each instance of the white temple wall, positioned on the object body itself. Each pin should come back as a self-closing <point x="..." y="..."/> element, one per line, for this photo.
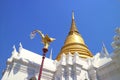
<point x="17" y="71"/>
<point x="109" y="71"/>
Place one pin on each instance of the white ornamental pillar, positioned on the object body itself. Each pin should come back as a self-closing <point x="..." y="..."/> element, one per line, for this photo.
<point x="69" y="73"/>
<point x="92" y="74"/>
<point x="69" y="66"/>
<point x="76" y="71"/>
<point x="62" y="75"/>
<point x="76" y="67"/>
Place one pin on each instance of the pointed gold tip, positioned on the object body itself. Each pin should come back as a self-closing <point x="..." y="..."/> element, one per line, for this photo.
<point x="72" y="14"/>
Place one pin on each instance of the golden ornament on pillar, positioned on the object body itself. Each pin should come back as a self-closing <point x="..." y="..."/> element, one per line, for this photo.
<point x="46" y="40"/>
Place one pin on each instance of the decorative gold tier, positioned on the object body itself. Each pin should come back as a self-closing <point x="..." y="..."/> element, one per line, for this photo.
<point x="74" y="43"/>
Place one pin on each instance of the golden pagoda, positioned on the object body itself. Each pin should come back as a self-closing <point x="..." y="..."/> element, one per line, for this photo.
<point x="74" y="43"/>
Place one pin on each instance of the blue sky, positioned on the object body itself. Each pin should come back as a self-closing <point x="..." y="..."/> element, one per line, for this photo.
<point x="96" y="21"/>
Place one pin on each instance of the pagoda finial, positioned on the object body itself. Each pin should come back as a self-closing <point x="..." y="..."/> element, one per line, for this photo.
<point x="20" y="47"/>
<point x="20" y="44"/>
<point x="104" y="50"/>
<point x="73" y="24"/>
<point x="14" y="48"/>
<point x="72" y="14"/>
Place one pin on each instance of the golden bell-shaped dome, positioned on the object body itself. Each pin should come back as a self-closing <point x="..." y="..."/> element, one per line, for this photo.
<point x="74" y="43"/>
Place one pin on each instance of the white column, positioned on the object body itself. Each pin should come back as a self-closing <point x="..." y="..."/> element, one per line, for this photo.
<point x="76" y="71"/>
<point x="60" y="74"/>
<point x="69" y="66"/>
<point x="69" y="72"/>
<point x="76" y="66"/>
<point x="62" y="77"/>
<point x="92" y="74"/>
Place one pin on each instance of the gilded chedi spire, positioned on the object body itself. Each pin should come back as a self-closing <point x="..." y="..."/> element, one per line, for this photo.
<point x="74" y="43"/>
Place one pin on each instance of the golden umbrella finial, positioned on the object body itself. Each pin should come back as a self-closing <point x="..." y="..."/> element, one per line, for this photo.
<point x="45" y="38"/>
